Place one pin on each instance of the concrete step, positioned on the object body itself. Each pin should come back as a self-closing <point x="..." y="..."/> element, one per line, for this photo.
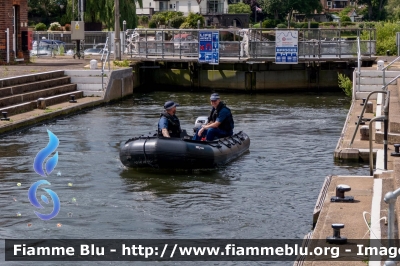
<point x="370" y="88"/>
<point x="392" y="138"/>
<point x="361" y="95"/>
<point x="19" y="108"/>
<point x="33" y="86"/>
<point x="86" y="73"/>
<point x="374" y="81"/>
<point x="13" y="81"/>
<point x="379" y="73"/>
<point x="88" y="80"/>
<point x="59" y="98"/>
<point x="33" y="96"/>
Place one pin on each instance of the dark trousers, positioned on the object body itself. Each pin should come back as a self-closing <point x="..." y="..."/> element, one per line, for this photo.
<point x="211" y="134"/>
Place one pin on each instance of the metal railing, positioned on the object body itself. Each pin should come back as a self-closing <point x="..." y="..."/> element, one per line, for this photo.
<point x="384" y="69"/>
<point x="358" y="64"/>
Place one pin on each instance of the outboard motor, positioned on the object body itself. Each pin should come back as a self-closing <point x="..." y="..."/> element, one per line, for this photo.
<point x="201" y="120"/>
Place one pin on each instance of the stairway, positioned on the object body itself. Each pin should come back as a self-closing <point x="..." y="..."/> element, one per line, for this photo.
<point x="40" y="90"/>
<point x="372" y="80"/>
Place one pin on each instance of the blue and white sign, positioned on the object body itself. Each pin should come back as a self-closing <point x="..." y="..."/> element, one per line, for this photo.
<point x="209" y="47"/>
<point x="286" y="47"/>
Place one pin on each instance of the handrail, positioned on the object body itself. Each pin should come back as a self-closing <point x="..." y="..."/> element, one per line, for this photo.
<point x="362" y="114"/>
<point x="371" y="156"/>
<point x="358" y="64"/>
<point x="384" y="69"/>
<point x="365" y="105"/>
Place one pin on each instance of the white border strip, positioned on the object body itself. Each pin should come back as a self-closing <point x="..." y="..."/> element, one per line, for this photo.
<point x="375" y="215"/>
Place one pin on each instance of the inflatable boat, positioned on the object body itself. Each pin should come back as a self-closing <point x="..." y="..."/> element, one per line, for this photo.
<point x="182" y="153"/>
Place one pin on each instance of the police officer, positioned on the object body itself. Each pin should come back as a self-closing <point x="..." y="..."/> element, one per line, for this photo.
<point x="169" y="125"/>
<point x="220" y="122"/>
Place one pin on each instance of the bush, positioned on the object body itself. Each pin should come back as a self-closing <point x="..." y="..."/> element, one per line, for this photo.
<point x="314" y="25"/>
<point x="176" y="22"/>
<point x="347" y="23"/>
<point x="281" y="26"/>
<point x="152" y="24"/>
<point x="55" y="26"/>
<point x="345" y="84"/>
<point x="40" y="27"/>
<point x="185" y="25"/>
<point x="345" y="19"/>
<point x="269" y="23"/>
<point x="67" y="27"/>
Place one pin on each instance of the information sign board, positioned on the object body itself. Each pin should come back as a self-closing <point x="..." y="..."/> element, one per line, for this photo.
<point x="209" y="47"/>
<point x="286" y="47"/>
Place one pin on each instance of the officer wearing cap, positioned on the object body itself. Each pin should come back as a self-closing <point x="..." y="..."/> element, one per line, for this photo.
<point x="220" y="122"/>
<point x="169" y="125"/>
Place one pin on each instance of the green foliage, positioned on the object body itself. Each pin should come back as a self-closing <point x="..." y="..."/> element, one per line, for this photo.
<point x="345" y="84"/>
<point x="55" y="26"/>
<point x="40" y="27"/>
<point x="329" y="24"/>
<point x="347" y="23"/>
<point x="185" y="25"/>
<point x="239" y="8"/>
<point x="385" y="37"/>
<point x="314" y="25"/>
<point x="176" y="22"/>
<point x="270" y="23"/>
<point x="143" y="20"/>
<point x="281" y="26"/>
<point x="192" y="19"/>
<point x="345" y="11"/>
<point x="345" y="19"/>
<point x="152" y="24"/>
<point x="124" y="63"/>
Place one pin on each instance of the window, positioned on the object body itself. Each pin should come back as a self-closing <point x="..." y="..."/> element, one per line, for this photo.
<point x="329" y="4"/>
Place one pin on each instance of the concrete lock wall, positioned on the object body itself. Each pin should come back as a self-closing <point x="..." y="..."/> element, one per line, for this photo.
<point x="242" y="80"/>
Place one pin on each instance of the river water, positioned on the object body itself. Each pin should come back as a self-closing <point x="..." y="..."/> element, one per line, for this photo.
<point x="268" y="193"/>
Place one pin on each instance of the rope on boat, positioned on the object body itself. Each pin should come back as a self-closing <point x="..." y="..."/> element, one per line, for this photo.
<point x="144" y="152"/>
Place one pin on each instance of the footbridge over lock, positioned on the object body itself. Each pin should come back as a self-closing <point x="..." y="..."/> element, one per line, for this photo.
<point x="247" y="59"/>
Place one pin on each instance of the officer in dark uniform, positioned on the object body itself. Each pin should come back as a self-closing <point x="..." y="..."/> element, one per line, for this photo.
<point x="169" y="125"/>
<point x="220" y="122"/>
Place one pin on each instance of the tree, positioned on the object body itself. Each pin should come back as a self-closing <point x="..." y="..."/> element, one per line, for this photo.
<point x="281" y="8"/>
<point x="393" y="9"/>
<point x="239" y="8"/>
<point x="376" y="8"/>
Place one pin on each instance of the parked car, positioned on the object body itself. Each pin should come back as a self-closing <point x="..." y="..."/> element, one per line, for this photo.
<point x="93" y="51"/>
<point x="47" y="47"/>
<point x="185" y="41"/>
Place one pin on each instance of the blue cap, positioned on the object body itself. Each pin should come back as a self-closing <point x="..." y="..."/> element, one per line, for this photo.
<point x="169" y="105"/>
<point x="214" y="96"/>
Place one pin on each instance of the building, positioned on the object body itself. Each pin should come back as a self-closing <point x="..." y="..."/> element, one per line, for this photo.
<point x="336" y="5"/>
<point x="14" y="31"/>
<point x="215" y="12"/>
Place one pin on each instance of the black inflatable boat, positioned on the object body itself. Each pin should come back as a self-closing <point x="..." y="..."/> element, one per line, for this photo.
<point x="181" y="153"/>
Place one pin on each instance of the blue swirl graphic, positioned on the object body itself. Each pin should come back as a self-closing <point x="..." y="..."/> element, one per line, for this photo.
<point x="35" y="202"/>
<point x="44" y="153"/>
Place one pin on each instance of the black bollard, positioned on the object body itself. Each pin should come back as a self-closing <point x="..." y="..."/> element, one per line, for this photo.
<point x="396" y="152"/>
<point x="340" y="197"/>
<point x="72" y="99"/>
<point x="336" y="238"/>
<point x="5" y="118"/>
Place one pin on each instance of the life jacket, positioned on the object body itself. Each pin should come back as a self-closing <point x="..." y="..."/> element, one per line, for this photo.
<point x="227" y="125"/>
<point x="174" y="126"/>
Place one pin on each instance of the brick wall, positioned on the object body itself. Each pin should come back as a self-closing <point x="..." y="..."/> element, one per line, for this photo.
<point x="6" y="21"/>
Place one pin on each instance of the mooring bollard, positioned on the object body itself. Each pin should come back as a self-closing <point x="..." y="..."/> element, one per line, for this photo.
<point x="369" y="108"/>
<point x="364" y="133"/>
<point x="5" y="118"/>
<point x="340" y="197"/>
<point x="41" y="103"/>
<point x="72" y="99"/>
<point x="336" y="238"/>
<point x="396" y="152"/>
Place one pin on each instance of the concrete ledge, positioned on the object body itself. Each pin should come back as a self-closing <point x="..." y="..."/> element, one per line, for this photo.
<point x="61" y="98"/>
<point x="19" y="108"/>
<point x="348" y="154"/>
<point x="37" y="116"/>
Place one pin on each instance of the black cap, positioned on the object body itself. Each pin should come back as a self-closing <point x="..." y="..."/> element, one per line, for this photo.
<point x="169" y="105"/>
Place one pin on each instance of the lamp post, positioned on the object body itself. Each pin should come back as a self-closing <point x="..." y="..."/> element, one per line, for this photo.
<point x="117" y="40"/>
<point x="123" y="36"/>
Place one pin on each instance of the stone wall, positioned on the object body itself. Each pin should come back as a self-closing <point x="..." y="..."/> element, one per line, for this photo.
<point x="6" y="21"/>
